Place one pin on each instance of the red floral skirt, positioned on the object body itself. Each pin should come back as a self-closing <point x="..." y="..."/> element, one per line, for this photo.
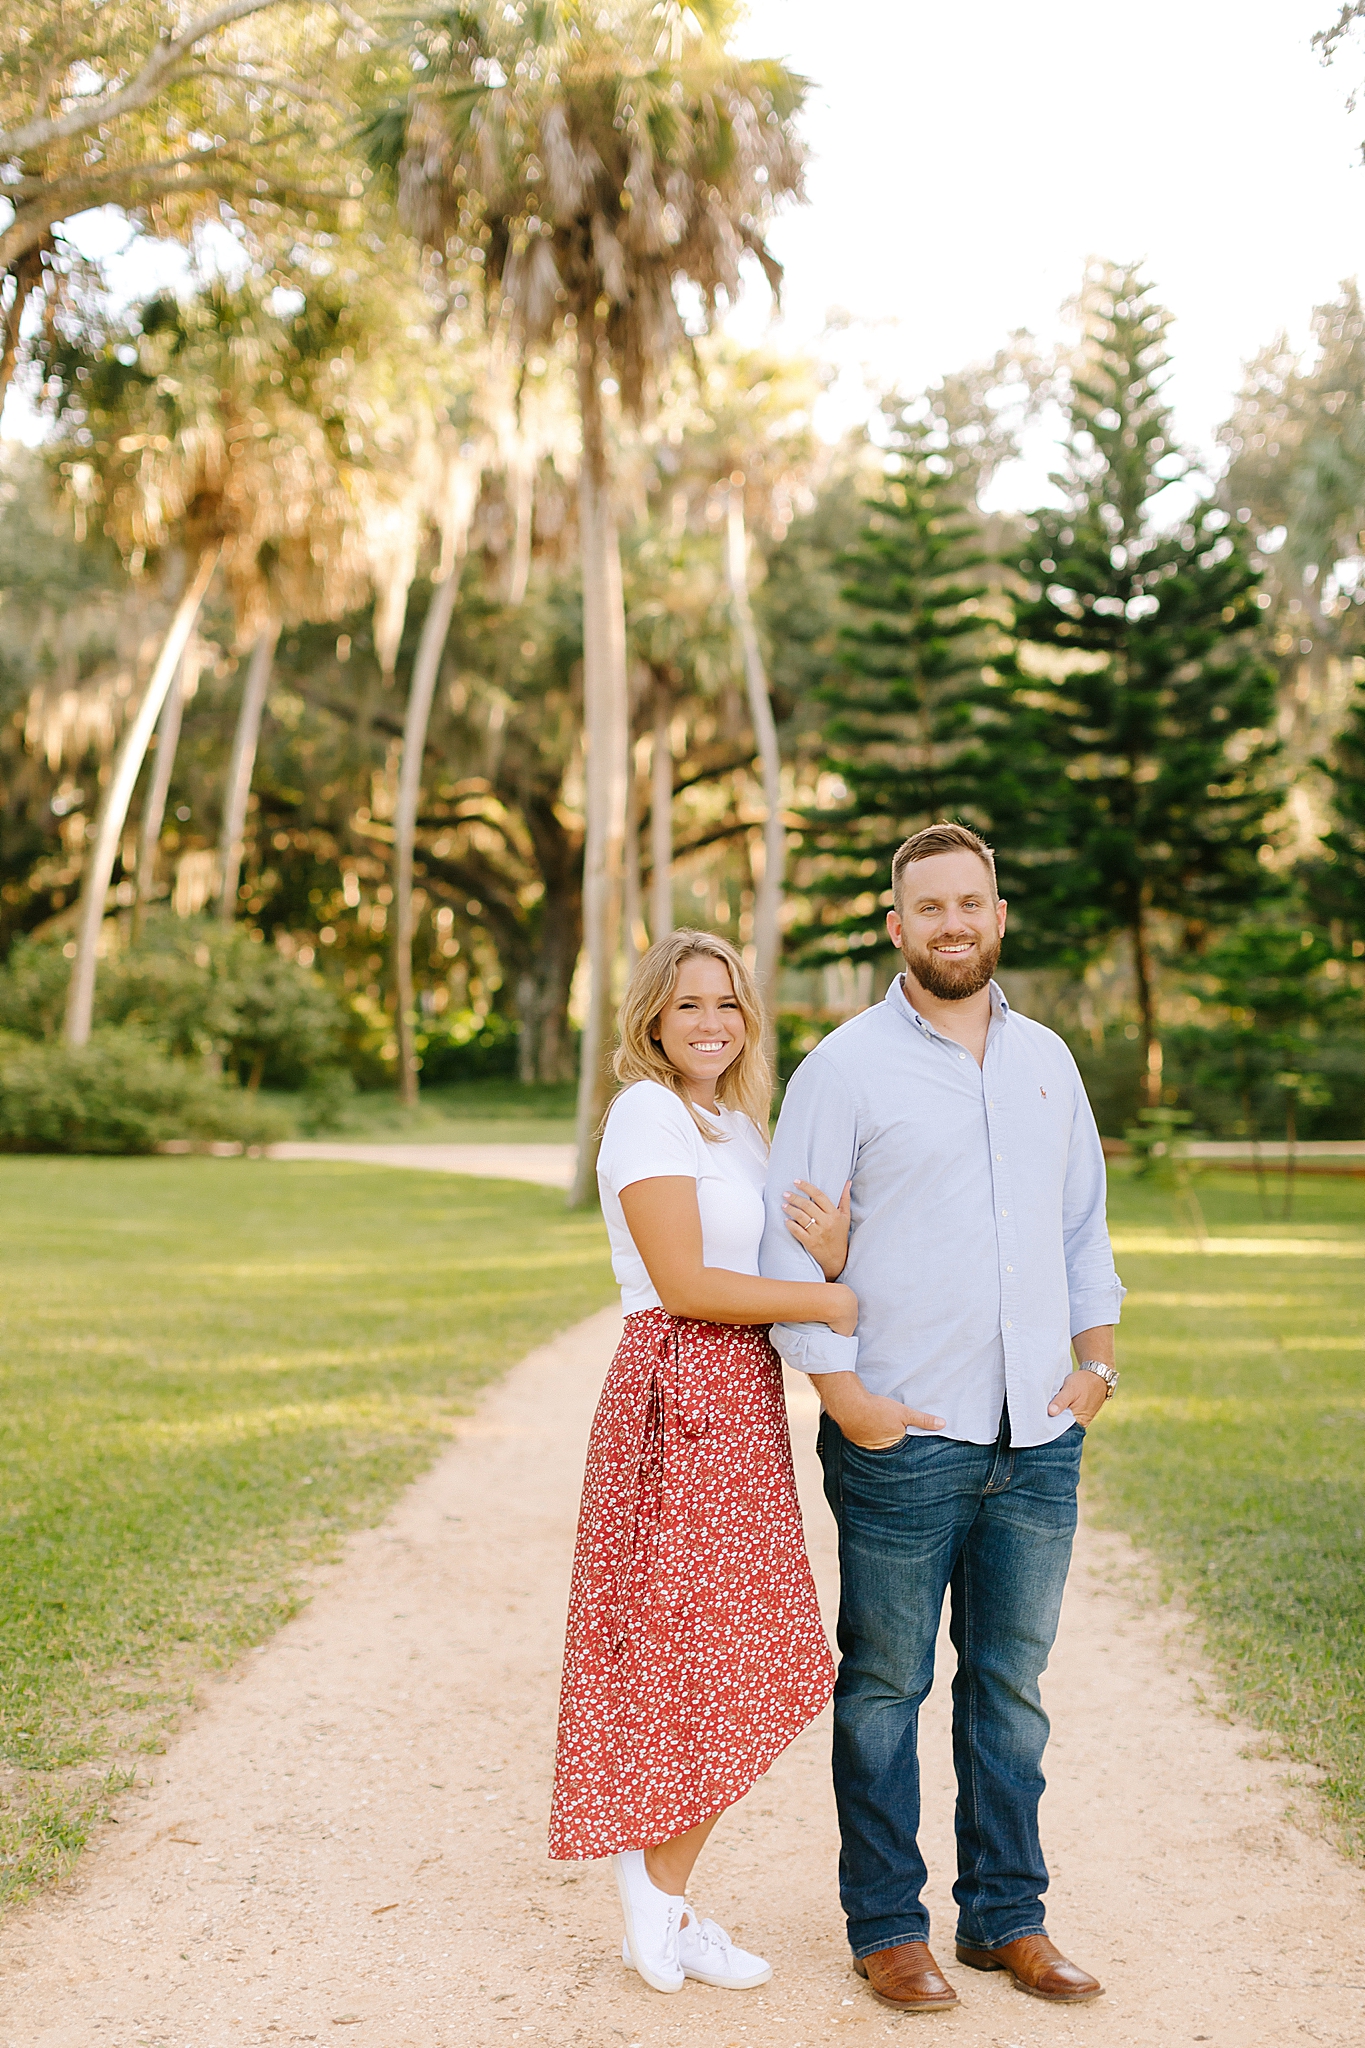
<point x="695" y="1650"/>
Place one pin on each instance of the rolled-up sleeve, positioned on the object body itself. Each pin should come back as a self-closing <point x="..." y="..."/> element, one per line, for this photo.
<point x="816" y="1140"/>
<point x="1095" y="1292"/>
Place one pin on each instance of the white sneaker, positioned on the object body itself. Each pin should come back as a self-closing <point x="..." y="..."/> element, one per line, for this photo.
<point x="707" y="1953"/>
<point x="652" y="1918"/>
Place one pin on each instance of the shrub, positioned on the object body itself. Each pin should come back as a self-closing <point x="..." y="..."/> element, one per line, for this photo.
<point x="326" y="1096"/>
<point x="463" y="1047"/>
<point x="33" y="984"/>
<point x="119" y="1093"/>
<point x="1234" y="1095"/>
<point x="198" y="987"/>
<point x="195" y="989"/>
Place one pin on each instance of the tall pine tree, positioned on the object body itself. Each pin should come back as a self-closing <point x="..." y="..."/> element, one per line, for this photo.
<point x="918" y="632"/>
<point x="1336" y="883"/>
<point x="1127" y="760"/>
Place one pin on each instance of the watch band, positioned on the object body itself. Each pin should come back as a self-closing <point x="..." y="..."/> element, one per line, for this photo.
<point x="1107" y="1373"/>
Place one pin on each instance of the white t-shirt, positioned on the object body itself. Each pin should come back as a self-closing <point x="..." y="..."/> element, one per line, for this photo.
<point x="650" y="1134"/>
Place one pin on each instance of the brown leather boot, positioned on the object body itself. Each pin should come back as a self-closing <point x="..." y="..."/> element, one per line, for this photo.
<point x="1036" y="1967"/>
<point x="907" y="1978"/>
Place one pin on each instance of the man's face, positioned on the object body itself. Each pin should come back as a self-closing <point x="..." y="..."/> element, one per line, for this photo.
<point x="949" y="924"/>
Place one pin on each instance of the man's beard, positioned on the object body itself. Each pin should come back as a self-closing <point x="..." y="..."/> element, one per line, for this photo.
<point x="954" y="980"/>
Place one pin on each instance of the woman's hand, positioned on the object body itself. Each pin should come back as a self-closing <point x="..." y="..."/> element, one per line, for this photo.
<point x="843" y="1318"/>
<point x="815" y="1222"/>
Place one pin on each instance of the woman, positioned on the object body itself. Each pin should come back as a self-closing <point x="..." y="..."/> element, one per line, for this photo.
<point x="695" y="1651"/>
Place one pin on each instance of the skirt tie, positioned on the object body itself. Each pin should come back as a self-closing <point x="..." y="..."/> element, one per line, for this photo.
<point x="677" y="1403"/>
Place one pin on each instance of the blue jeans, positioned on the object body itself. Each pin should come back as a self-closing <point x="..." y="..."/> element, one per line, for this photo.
<point x="994" y="1524"/>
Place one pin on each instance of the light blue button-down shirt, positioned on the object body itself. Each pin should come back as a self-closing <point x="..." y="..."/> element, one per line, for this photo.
<point x="979" y="1246"/>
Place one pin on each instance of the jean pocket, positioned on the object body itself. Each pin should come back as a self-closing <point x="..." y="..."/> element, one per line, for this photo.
<point x="878" y="1451"/>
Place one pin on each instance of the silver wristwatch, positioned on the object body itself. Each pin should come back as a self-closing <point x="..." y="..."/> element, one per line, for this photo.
<point x="1106" y="1373"/>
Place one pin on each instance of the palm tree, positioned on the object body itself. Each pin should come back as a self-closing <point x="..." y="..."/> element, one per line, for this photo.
<point x="99" y="866"/>
<point x="319" y="559"/>
<point x="504" y="419"/>
<point x="191" y="437"/>
<point x="768" y="894"/>
<point x="661" y="820"/>
<point x="454" y="513"/>
<point x="242" y="766"/>
<point x="754" y="444"/>
<point x="680" y="637"/>
<point x="524" y="404"/>
<point x="591" y="159"/>
<point x="154" y="805"/>
<point x="365" y="362"/>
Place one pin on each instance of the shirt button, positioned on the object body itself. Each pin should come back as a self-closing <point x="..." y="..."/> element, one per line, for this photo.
<point x="1009" y="1326"/>
<point x="999" y="1155"/>
<point x="1004" y="1212"/>
<point x="1009" y="1269"/>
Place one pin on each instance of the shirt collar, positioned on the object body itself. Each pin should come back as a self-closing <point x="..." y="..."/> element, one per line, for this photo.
<point x="900" y="1003"/>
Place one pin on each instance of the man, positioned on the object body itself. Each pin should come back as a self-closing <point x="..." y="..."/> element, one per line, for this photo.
<point x="952" y="1425"/>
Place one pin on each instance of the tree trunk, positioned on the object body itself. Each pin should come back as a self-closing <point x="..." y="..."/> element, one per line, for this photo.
<point x="768" y="890"/>
<point x="27" y="272"/>
<point x="559" y="937"/>
<point x="606" y="727"/>
<point x="241" y="768"/>
<point x="528" y="1032"/>
<point x="1253" y="1133"/>
<point x="546" y="1050"/>
<point x="154" y="807"/>
<point x="521" y="475"/>
<point x="425" y="670"/>
<point x="637" y="939"/>
<point x="1291" y="1149"/>
<point x="113" y="812"/>
<point x="554" y="1046"/>
<point x="661" y="823"/>
<point x="1146" y="995"/>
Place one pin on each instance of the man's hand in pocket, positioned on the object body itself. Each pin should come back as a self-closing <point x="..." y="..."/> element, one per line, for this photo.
<point x="872" y="1421"/>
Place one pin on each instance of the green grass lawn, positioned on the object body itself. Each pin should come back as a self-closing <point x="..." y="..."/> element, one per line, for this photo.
<point x="211" y="1370"/>
<point x="470" y="1113"/>
<point x="1236" y="1449"/>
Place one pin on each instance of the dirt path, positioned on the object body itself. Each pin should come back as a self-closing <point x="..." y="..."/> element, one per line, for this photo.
<point x="549" y="1166"/>
<point x="351" y="1834"/>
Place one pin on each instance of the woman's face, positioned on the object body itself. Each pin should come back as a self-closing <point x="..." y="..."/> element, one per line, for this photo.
<point x="701" y="1027"/>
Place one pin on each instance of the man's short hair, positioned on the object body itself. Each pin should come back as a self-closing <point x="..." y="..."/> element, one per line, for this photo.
<point x="944" y="838"/>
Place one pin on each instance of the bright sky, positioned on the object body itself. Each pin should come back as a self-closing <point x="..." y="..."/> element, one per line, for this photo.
<point x="970" y="154"/>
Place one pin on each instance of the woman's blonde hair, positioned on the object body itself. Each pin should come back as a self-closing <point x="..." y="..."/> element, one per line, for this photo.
<point x="746" y="1083"/>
